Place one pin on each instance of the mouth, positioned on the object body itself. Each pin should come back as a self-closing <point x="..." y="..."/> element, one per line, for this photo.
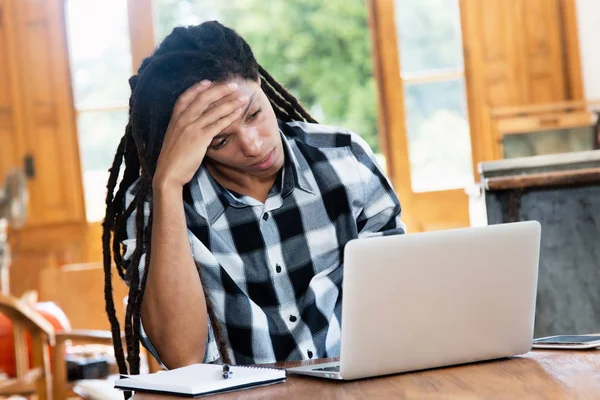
<point x="266" y="162"/>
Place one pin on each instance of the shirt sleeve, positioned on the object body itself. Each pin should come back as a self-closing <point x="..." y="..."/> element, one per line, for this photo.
<point x="211" y="353"/>
<point x="381" y="210"/>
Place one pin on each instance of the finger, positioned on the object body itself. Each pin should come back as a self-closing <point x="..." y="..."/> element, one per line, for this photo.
<point x="203" y="101"/>
<point x="187" y="97"/>
<point x="219" y="125"/>
<point x="215" y="114"/>
<point x="231" y="96"/>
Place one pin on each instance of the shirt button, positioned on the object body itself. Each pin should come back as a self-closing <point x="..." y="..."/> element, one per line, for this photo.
<point x="310" y="354"/>
<point x="278" y="268"/>
<point x="266" y="216"/>
<point x="293" y="318"/>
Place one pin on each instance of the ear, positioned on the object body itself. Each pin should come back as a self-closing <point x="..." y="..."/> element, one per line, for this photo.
<point x="258" y="80"/>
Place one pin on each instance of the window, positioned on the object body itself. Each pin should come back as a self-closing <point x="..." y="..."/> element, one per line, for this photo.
<point x="432" y="73"/>
<point x="100" y="58"/>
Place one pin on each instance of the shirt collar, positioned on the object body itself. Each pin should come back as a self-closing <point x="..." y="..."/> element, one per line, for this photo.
<point x="217" y="198"/>
<point x="292" y="171"/>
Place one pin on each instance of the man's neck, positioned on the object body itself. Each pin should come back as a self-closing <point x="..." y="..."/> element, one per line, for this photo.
<point x="248" y="185"/>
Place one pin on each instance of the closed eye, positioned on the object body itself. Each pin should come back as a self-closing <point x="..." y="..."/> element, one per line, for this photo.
<point x="225" y="139"/>
<point x="254" y="115"/>
<point x="220" y="143"/>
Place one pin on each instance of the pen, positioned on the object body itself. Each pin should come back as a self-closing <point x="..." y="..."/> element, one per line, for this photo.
<point x="226" y="371"/>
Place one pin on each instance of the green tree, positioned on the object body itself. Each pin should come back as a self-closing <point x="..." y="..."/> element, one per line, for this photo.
<point x="319" y="50"/>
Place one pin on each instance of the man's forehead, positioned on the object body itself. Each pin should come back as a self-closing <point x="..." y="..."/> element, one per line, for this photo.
<point x="244" y="88"/>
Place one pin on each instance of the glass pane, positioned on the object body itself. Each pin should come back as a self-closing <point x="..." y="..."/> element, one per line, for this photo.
<point x="327" y="65"/>
<point x="98" y="37"/>
<point x="438" y="135"/>
<point x="99" y="135"/>
<point x="171" y="13"/>
<point x="429" y="35"/>
<point x="549" y="142"/>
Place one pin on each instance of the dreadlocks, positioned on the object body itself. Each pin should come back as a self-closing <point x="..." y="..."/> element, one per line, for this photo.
<point x="185" y="57"/>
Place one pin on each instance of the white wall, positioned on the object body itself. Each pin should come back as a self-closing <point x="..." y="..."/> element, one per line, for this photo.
<point x="588" y="17"/>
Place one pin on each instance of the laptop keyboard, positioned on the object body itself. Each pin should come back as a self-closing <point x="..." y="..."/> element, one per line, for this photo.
<point x="335" y="368"/>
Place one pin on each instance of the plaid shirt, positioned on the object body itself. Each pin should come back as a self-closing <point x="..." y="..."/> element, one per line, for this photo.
<point x="274" y="271"/>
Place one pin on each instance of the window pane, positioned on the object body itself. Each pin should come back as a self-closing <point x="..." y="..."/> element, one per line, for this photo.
<point x="438" y="135"/>
<point x="327" y="65"/>
<point x="100" y="56"/>
<point x="171" y="13"/>
<point x="98" y="37"/>
<point x="99" y="134"/>
<point x="429" y="35"/>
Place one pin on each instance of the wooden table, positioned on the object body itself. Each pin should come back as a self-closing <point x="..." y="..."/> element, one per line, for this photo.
<point x="536" y="375"/>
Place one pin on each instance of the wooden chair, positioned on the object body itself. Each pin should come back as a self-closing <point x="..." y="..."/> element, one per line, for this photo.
<point x="59" y="366"/>
<point x="38" y="379"/>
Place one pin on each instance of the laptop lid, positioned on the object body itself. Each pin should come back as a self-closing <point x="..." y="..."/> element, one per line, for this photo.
<point x="441" y="298"/>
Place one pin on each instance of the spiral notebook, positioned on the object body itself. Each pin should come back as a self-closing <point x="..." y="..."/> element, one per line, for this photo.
<point x="200" y="380"/>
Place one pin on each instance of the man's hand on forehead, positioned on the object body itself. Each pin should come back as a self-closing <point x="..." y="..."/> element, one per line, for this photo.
<point x="242" y="89"/>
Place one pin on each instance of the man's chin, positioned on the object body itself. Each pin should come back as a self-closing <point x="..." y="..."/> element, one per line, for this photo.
<point x="268" y="173"/>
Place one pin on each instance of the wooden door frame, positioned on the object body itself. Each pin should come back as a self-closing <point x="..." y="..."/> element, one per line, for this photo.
<point x="392" y="128"/>
<point x="16" y="109"/>
<point x="572" y="55"/>
<point x="391" y="118"/>
<point x="141" y="31"/>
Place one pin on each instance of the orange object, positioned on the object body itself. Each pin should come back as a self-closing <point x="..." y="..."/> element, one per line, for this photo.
<point x="50" y="311"/>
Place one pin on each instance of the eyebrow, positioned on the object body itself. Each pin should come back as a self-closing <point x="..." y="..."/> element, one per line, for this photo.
<point x="249" y="104"/>
<point x="220" y="135"/>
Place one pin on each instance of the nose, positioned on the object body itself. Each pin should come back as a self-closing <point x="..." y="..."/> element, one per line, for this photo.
<point x="251" y="143"/>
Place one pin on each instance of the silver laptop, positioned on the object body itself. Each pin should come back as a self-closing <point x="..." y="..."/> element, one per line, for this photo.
<point x="435" y="299"/>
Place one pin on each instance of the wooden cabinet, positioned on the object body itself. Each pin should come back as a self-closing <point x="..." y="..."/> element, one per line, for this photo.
<point x="8" y="95"/>
<point x="37" y="120"/>
<point x="516" y="54"/>
<point x="38" y="132"/>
